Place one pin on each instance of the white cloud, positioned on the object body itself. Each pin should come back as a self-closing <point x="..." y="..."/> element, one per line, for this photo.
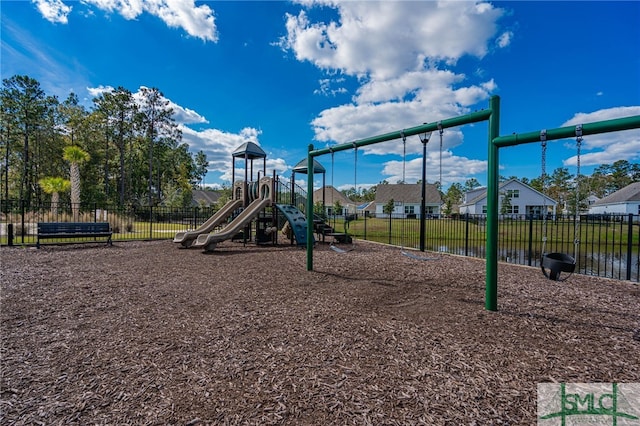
<point x="384" y="39"/>
<point x="186" y="115"/>
<point x="181" y="114"/>
<point x="454" y="168"/>
<point x="326" y="87"/>
<point x="53" y="10"/>
<point x="348" y="123"/>
<point x="606" y="148"/>
<point x="505" y="39"/>
<point x="218" y="146"/>
<point x="398" y="51"/>
<point x="97" y="91"/>
<point x="197" y="21"/>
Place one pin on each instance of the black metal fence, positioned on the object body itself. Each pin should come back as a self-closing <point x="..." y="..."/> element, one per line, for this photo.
<point x="127" y="223"/>
<point x="606" y="246"/>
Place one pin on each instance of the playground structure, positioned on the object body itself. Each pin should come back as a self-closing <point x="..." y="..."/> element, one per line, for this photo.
<point x="253" y="209"/>
<point x="495" y="142"/>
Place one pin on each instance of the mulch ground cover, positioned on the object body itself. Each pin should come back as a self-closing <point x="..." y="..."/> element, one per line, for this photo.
<point x="147" y="333"/>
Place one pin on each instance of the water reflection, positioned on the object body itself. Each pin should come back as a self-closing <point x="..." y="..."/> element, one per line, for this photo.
<point x="608" y="265"/>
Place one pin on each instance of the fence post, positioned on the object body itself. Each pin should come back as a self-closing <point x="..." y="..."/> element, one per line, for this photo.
<point x="195" y="218"/>
<point x="389" y="228"/>
<point x="365" y="226"/>
<point x="150" y="221"/>
<point x="10" y="234"/>
<point x="629" y="243"/>
<point x="466" y="234"/>
<point x="22" y="220"/>
<point x="530" y="238"/>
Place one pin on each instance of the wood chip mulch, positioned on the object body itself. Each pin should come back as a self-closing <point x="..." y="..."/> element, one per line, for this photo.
<point x="146" y="333"/>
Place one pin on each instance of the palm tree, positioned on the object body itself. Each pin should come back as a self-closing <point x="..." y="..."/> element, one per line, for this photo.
<point x="75" y="156"/>
<point x="54" y="186"/>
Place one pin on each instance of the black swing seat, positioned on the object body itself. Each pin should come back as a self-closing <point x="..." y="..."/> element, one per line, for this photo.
<point x="340" y="237"/>
<point x="556" y="263"/>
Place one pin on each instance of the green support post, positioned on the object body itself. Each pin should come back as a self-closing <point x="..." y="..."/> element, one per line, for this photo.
<point x="493" y="177"/>
<point x="309" y="208"/>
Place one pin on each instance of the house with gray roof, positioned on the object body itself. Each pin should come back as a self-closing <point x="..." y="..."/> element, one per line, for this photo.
<point x="331" y="195"/>
<point x="407" y="198"/>
<point x="204" y="198"/>
<point x="623" y="201"/>
<point x="516" y="199"/>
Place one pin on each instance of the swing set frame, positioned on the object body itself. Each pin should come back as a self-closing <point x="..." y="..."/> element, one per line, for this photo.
<point x="495" y="142"/>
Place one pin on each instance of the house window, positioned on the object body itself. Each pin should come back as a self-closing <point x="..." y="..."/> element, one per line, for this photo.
<point x="511" y="210"/>
<point x="409" y="209"/>
<point x="484" y="209"/>
<point x="513" y="193"/>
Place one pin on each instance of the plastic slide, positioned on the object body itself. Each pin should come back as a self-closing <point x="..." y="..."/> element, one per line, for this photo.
<point x="209" y="241"/>
<point x="186" y="238"/>
<point x="297" y="220"/>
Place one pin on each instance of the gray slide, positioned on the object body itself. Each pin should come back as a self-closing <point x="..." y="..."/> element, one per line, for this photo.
<point x="186" y="238"/>
<point x="208" y="241"/>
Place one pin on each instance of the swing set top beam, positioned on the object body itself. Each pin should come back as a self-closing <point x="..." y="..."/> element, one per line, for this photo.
<point x="473" y="117"/>
<point x="606" y="126"/>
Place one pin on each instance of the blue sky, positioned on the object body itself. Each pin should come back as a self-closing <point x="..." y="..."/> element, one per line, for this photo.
<point x="287" y="74"/>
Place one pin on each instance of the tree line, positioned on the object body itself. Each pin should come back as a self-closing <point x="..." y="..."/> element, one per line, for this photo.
<point x="127" y="149"/>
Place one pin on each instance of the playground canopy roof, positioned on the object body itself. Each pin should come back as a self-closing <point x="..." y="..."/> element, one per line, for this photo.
<point x="301" y="167"/>
<point x="250" y="150"/>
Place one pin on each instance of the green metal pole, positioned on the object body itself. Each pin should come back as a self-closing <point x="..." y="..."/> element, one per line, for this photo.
<point x="615" y="125"/>
<point x="491" y="290"/>
<point x="473" y="117"/>
<point x="309" y="208"/>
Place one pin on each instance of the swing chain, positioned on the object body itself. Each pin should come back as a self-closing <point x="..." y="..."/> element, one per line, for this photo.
<point x="543" y="140"/>
<point x="440" y="131"/>
<point x="576" y="240"/>
<point x="404" y="155"/>
<point x="332" y="168"/>
<point x="355" y="167"/>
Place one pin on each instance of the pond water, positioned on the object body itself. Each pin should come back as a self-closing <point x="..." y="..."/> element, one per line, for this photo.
<point x="609" y="265"/>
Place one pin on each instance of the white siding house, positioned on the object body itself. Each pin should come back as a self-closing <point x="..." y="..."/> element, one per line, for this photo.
<point x="623" y="201"/>
<point x="515" y="199"/>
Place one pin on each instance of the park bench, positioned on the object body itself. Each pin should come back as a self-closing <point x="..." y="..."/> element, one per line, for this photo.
<point x="62" y="230"/>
